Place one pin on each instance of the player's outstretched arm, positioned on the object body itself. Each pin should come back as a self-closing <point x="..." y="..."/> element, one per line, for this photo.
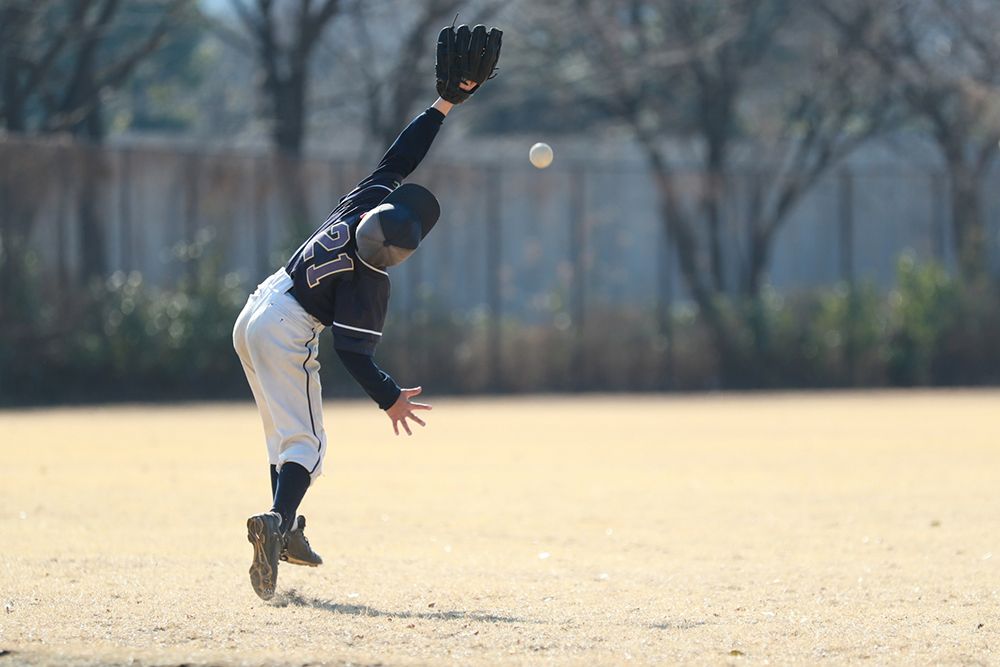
<point x="404" y="409"/>
<point x="466" y="59"/>
<point x="412" y="144"/>
<point x="378" y="384"/>
<point x="383" y="389"/>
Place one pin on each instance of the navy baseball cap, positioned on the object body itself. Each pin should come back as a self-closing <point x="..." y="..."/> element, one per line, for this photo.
<point x="391" y="231"/>
<point x="417" y="203"/>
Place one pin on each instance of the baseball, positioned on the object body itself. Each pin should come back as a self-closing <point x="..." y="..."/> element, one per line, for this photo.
<point x="540" y="155"/>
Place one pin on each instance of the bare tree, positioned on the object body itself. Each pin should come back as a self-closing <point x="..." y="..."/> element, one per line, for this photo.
<point x="836" y="106"/>
<point x="284" y="44"/>
<point x="57" y="60"/>
<point x="391" y="93"/>
<point x="393" y="66"/>
<point x="719" y="75"/>
<point x="283" y="37"/>
<point x="943" y="59"/>
<point x="27" y="54"/>
<point x="672" y="67"/>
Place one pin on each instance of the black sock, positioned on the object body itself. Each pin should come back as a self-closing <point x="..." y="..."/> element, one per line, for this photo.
<point x="274" y="481"/>
<point x="293" y="480"/>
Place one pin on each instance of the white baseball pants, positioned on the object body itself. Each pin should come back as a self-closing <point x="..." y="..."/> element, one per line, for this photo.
<point x="278" y="343"/>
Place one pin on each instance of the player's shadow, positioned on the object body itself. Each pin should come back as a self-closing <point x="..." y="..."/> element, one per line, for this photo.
<point x="293" y="597"/>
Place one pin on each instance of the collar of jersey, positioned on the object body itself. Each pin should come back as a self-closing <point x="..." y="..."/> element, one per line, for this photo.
<point x="384" y="273"/>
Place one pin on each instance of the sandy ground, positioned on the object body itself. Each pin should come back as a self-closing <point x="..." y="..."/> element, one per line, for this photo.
<point x="836" y="528"/>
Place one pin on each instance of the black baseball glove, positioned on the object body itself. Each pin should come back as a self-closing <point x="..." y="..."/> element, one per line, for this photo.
<point x="465" y="55"/>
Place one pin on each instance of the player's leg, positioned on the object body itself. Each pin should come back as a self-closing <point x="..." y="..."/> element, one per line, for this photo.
<point x="270" y="433"/>
<point x="254" y="302"/>
<point x="282" y="341"/>
<point x="284" y="346"/>
<point x="293" y="477"/>
<point x="253" y="336"/>
<point x="263" y="531"/>
<point x="296" y="548"/>
<point x="292" y="481"/>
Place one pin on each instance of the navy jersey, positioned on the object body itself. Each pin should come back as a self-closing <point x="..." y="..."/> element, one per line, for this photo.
<point x="330" y="281"/>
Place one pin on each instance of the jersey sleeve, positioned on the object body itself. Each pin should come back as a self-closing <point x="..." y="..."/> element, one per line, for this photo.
<point x="406" y="152"/>
<point x="378" y="384"/>
<point x="359" y="315"/>
<point x="410" y="147"/>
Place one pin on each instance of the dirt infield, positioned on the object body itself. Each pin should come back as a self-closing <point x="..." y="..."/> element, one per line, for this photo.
<point x="723" y="530"/>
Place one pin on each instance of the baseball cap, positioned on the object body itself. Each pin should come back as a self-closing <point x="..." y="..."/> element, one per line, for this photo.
<point x="390" y="232"/>
<point x="419" y="203"/>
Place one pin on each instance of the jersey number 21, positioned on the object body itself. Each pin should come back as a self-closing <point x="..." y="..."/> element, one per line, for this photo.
<point x="328" y="242"/>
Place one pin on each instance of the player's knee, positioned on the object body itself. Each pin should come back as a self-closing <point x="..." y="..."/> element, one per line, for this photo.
<point x="305" y="452"/>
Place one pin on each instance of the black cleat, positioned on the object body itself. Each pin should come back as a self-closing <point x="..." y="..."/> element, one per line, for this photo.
<point x="297" y="550"/>
<point x="264" y="533"/>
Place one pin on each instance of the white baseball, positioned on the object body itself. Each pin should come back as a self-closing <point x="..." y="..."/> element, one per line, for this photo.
<point x="541" y="155"/>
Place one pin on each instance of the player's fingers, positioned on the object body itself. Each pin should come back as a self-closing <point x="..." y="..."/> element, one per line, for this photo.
<point x="395" y="426"/>
<point x="415" y="391"/>
<point x="417" y="419"/>
<point x="406" y="427"/>
<point x="420" y="406"/>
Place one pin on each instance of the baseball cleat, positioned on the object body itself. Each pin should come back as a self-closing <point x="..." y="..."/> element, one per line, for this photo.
<point x="264" y="533"/>
<point x="297" y="550"/>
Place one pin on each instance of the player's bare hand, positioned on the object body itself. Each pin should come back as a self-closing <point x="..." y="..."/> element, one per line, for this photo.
<point x="404" y="409"/>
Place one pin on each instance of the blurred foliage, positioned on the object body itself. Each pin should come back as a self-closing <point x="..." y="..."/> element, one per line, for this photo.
<point x="926" y="304"/>
<point x="122" y="339"/>
<point x="162" y="93"/>
<point x="63" y="62"/>
<point x="126" y="340"/>
<point x="764" y="82"/>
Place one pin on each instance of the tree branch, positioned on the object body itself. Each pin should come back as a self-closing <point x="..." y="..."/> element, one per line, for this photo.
<point x="115" y="75"/>
<point x="41" y="69"/>
<point x="314" y="24"/>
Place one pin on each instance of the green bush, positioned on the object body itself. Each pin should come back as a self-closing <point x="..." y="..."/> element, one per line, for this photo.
<point x="925" y="304"/>
<point x="161" y="341"/>
<point x="122" y="339"/>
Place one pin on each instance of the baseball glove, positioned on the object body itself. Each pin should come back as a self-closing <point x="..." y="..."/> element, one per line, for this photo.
<point x="465" y="55"/>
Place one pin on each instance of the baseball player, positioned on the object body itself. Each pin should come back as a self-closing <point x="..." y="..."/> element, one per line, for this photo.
<point x="338" y="279"/>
